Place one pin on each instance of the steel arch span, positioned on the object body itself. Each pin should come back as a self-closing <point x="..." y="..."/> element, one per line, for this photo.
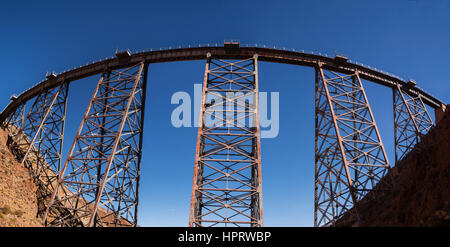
<point x="97" y="184"/>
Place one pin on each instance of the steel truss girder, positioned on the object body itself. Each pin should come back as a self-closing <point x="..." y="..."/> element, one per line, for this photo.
<point x="98" y="184"/>
<point x="350" y="158"/>
<point x="411" y="121"/>
<point x="226" y="188"/>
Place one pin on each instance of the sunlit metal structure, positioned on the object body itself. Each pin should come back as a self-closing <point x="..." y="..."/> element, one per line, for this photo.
<point x="350" y="156"/>
<point x="97" y="184"/>
<point x="411" y="120"/>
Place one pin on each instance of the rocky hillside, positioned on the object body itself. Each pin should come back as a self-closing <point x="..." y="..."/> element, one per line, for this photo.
<point x="18" y="198"/>
<point x="421" y="196"/>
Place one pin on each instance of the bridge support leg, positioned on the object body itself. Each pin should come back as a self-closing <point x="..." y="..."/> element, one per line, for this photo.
<point x="45" y="127"/>
<point x="411" y="121"/>
<point x="37" y="142"/>
<point x="350" y="158"/>
<point x="98" y="183"/>
<point x="226" y="188"/>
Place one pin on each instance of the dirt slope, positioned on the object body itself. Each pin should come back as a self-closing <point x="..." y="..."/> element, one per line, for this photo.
<point x="421" y="196"/>
<point x="18" y="200"/>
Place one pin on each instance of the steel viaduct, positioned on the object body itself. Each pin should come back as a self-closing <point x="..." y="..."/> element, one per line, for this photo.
<point x="97" y="184"/>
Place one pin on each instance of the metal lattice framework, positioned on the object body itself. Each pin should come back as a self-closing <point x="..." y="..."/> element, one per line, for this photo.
<point x="37" y="139"/>
<point x="99" y="180"/>
<point x="14" y="122"/>
<point x="411" y="121"/>
<point x="350" y="156"/>
<point x="227" y="174"/>
<point x="98" y="183"/>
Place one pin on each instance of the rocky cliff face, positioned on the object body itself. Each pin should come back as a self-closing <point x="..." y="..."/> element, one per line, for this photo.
<point x="18" y="198"/>
<point x="421" y="196"/>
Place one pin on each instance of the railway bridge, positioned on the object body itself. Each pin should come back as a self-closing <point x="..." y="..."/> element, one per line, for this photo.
<point x="97" y="184"/>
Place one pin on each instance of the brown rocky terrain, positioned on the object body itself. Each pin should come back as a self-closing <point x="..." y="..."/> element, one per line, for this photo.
<point x="421" y="196"/>
<point x="18" y="200"/>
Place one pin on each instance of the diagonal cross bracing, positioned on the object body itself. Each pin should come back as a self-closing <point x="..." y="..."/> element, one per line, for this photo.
<point x="411" y="121"/>
<point x="349" y="155"/>
<point x="37" y="141"/>
<point x="98" y="185"/>
<point x="226" y="187"/>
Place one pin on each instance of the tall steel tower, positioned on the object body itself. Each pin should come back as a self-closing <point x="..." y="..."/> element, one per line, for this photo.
<point x="226" y="188"/>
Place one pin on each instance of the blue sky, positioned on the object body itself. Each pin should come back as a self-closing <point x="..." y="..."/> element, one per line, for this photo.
<point x="409" y="38"/>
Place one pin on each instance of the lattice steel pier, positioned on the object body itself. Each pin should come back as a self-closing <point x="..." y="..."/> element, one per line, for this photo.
<point x="98" y="184"/>
<point x="350" y="156"/>
<point x="226" y="188"/>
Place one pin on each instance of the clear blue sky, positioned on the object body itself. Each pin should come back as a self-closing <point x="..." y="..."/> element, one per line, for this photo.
<point x="409" y="38"/>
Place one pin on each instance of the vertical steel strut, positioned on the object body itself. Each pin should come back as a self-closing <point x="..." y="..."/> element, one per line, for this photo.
<point x="411" y="121"/>
<point x="349" y="155"/>
<point x="226" y="188"/>
<point x="98" y="183"/>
